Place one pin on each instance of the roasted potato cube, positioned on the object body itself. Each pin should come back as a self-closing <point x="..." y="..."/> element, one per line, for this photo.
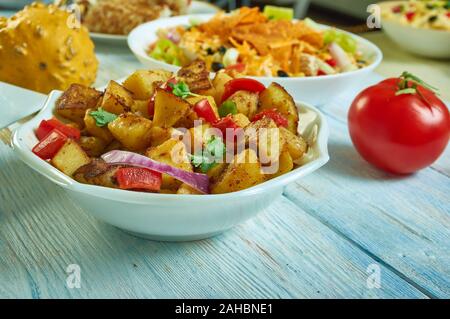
<point x="172" y="152"/>
<point x="132" y="131"/>
<point x="92" y="145"/>
<point x="246" y="102"/>
<point x="140" y="107"/>
<point x="215" y="172"/>
<point x="265" y="136"/>
<point x="295" y="144"/>
<point x="196" y="76"/>
<point x="74" y="102"/>
<point x="114" y="145"/>
<point x="285" y="164"/>
<point x="198" y="135"/>
<point x="142" y="83"/>
<point x="97" y="172"/>
<point x="97" y="131"/>
<point x="219" y="82"/>
<point x="188" y="120"/>
<point x="70" y="157"/>
<point x="169" y="109"/>
<point x="275" y="96"/>
<point x="243" y="172"/>
<point x="116" y="99"/>
<point x="187" y="190"/>
<point x="159" y="135"/>
<point x="240" y="119"/>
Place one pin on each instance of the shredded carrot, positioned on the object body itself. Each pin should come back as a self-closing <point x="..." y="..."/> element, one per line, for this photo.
<point x="265" y="46"/>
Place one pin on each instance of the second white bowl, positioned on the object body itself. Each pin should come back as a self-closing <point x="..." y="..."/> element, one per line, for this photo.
<point x="316" y="90"/>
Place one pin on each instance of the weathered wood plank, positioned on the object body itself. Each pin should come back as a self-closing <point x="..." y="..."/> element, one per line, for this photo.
<point x="281" y="253"/>
<point x="405" y="221"/>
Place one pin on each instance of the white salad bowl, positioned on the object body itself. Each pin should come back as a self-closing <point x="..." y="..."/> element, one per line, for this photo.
<point x="316" y="90"/>
<point x="172" y="217"/>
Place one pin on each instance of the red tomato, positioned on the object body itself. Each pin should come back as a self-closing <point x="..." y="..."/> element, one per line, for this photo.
<point x="410" y="16"/>
<point x="400" y="133"/>
<point x="331" y="62"/>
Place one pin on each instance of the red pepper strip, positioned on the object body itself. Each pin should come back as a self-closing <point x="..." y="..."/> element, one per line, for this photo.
<point x="279" y="119"/>
<point x="238" y="67"/>
<point x="50" y="144"/>
<point x="138" y="178"/>
<point x="224" y="123"/>
<point x="320" y="73"/>
<point x="204" y="109"/>
<point x="151" y="102"/>
<point x="46" y="126"/>
<point x="239" y="84"/>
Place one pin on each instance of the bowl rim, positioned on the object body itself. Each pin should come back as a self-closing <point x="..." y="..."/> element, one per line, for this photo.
<point x="53" y="174"/>
<point x="387" y="4"/>
<point x="133" y="44"/>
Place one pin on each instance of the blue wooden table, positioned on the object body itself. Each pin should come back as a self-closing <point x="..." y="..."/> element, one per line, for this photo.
<point x="347" y="230"/>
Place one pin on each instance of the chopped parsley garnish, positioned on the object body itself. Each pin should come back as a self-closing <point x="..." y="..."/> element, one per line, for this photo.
<point x="214" y="149"/>
<point x="181" y="89"/>
<point x="102" y="117"/>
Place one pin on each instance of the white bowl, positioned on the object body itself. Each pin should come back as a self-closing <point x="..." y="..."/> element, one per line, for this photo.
<point x="167" y="216"/>
<point x="315" y="90"/>
<point x="425" y="42"/>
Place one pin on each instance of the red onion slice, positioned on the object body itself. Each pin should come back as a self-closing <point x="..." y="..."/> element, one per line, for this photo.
<point x="196" y="180"/>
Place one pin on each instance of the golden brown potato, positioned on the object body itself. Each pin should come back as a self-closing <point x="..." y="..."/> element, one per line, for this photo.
<point x="97" y="131"/>
<point x="93" y="146"/>
<point x="174" y="153"/>
<point x="114" y="145"/>
<point x="295" y="144"/>
<point x="196" y="76"/>
<point x="70" y="157"/>
<point x="285" y="164"/>
<point x="140" y="107"/>
<point x="265" y="136"/>
<point x="74" y="102"/>
<point x="187" y="190"/>
<point x="240" y="119"/>
<point x="116" y="99"/>
<point x="275" y="96"/>
<point x="159" y="135"/>
<point x="198" y="135"/>
<point x="215" y="172"/>
<point x="219" y="85"/>
<point x="169" y="109"/>
<point x="97" y="172"/>
<point x="142" y="83"/>
<point x="132" y="131"/>
<point x="242" y="173"/>
<point x="246" y="102"/>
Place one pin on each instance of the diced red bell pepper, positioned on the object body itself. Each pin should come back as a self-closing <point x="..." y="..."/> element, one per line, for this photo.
<point x="320" y="73"/>
<point x="238" y="67"/>
<point x="331" y="62"/>
<point x="239" y="84"/>
<point x="276" y="116"/>
<point x="138" y="178"/>
<point x="50" y="144"/>
<point x="410" y="16"/>
<point x="224" y="123"/>
<point x="204" y="109"/>
<point x="46" y="126"/>
<point x="448" y="14"/>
